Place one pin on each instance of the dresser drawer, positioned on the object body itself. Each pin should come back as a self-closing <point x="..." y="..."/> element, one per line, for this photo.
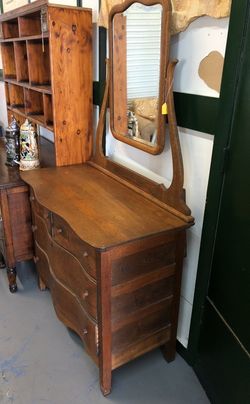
<point x="67" y="269"/>
<point x="143" y="262"/>
<point x="129" y="334"/>
<point x="67" y="238"/>
<point x="41" y="211"/>
<point x="132" y="300"/>
<point x="68" y="308"/>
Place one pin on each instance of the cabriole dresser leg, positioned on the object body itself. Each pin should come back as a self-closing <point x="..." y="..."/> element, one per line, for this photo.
<point x="11" y="273"/>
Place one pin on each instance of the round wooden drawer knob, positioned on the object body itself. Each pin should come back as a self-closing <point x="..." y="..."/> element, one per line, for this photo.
<point x="85" y="294"/>
<point x="85" y="331"/>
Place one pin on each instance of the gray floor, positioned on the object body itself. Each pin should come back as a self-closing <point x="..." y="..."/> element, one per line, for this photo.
<point x="41" y="361"/>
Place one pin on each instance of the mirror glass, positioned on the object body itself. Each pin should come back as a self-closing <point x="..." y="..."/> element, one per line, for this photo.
<point x="135" y="73"/>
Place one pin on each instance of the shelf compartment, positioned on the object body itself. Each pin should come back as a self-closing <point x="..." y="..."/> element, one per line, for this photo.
<point x="19" y="116"/>
<point x="7" y="94"/>
<point x="20" y="53"/>
<point x="34" y="105"/>
<point x="10" y="28"/>
<point x="8" y="59"/>
<point x="16" y="96"/>
<point x="46" y="152"/>
<point x="25" y="38"/>
<point x="42" y="89"/>
<point x="38" y="62"/>
<point x="30" y="24"/>
<point x="48" y="111"/>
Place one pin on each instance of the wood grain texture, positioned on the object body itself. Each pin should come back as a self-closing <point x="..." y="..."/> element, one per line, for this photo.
<point x="20" y="52"/>
<point x="120" y="74"/>
<point x="117" y="216"/>
<point x="68" y="239"/>
<point x="77" y="279"/>
<point x="8" y="60"/>
<point x="30" y="24"/>
<point x="71" y="69"/>
<point x="61" y="56"/>
<point x="67" y="306"/>
<point x="153" y="341"/>
<point x="104" y="322"/>
<point x="169" y="348"/>
<point x="38" y="62"/>
<point x="17" y="243"/>
<point x="137" y="276"/>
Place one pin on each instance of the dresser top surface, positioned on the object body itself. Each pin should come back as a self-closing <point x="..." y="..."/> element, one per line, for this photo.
<point x="102" y="211"/>
<point x="9" y="176"/>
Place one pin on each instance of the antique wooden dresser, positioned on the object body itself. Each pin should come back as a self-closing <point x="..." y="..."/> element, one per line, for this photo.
<point x="109" y="243"/>
<point x="16" y="242"/>
<point x="112" y="260"/>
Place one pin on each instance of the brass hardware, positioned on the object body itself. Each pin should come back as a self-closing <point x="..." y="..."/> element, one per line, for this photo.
<point x="85" y="294"/>
<point x="85" y="331"/>
<point x="85" y="254"/>
<point x="32" y="198"/>
<point x="35" y="259"/>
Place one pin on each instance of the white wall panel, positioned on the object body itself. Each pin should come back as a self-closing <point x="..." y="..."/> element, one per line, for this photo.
<point x="94" y="4"/>
<point x="3" y="110"/>
<point x="203" y="36"/>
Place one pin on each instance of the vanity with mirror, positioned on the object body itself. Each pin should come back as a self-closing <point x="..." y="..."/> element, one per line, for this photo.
<point x="109" y="243"/>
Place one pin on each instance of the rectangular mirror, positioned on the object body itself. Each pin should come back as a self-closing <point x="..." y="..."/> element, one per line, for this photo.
<point x="139" y="51"/>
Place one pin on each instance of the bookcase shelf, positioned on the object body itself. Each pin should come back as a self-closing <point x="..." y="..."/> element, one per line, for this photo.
<point x="30" y="24"/>
<point x="48" y="74"/>
<point x="21" y="62"/>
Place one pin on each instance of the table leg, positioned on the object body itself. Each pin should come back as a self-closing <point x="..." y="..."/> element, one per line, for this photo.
<point x="11" y="272"/>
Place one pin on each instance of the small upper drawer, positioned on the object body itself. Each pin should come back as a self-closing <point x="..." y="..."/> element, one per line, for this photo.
<point x="40" y="211"/>
<point x="67" y="269"/>
<point x="67" y="238"/>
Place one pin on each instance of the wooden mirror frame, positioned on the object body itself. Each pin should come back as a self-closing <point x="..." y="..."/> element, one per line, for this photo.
<point x="172" y="198"/>
<point x="164" y="61"/>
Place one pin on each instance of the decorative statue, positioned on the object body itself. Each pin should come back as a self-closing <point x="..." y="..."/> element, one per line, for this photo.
<point x="12" y="143"/>
<point x="29" y="157"/>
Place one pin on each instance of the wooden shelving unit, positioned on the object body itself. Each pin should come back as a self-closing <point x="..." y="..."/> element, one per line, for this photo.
<point x="47" y="63"/>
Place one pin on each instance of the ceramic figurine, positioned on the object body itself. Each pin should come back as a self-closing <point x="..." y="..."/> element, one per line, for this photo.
<point x="29" y="157"/>
<point x="12" y="143"/>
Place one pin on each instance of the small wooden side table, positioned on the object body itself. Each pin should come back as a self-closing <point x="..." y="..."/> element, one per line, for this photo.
<point x="16" y="241"/>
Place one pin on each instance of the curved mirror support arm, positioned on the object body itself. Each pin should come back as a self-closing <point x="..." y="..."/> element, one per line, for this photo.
<point x="172" y="198"/>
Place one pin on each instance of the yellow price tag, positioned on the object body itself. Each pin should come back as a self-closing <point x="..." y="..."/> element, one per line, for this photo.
<point x="164" y="109"/>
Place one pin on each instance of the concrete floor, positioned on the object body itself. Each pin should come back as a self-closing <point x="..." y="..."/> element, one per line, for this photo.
<point x="41" y="361"/>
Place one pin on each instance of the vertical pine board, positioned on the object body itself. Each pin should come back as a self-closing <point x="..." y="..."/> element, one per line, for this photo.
<point x="120" y="74"/>
<point x="71" y="72"/>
